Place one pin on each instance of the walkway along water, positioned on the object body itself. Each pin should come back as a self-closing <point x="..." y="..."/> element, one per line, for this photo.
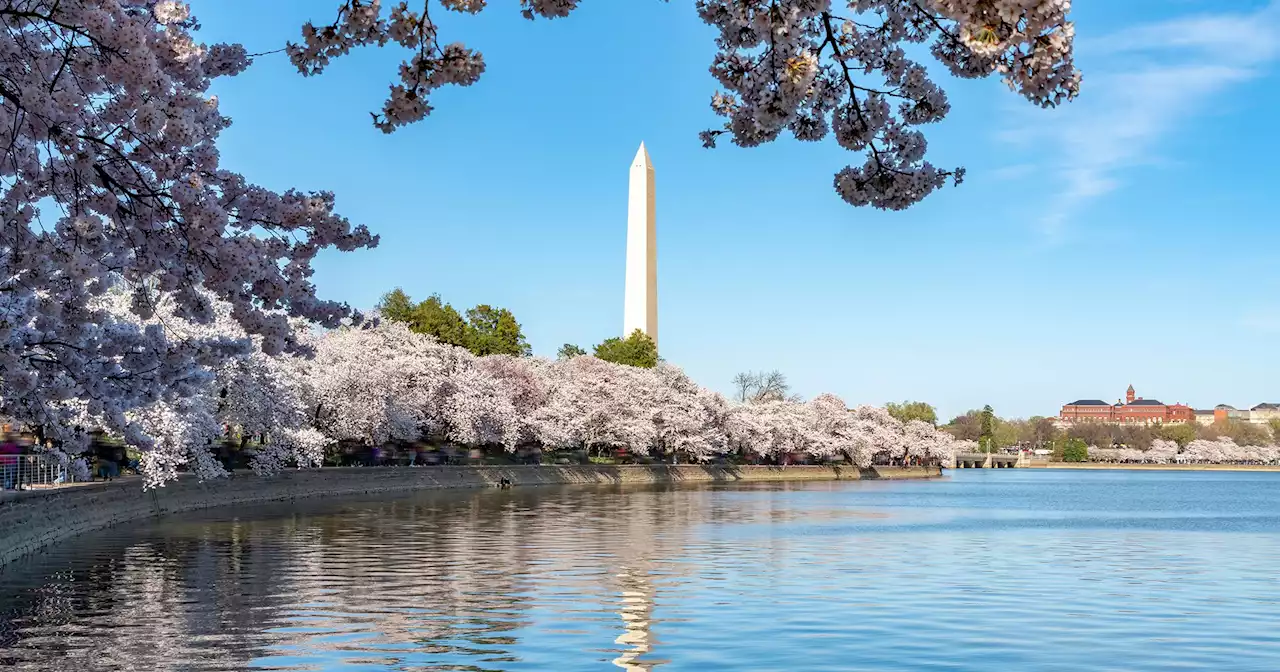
<point x="32" y="520"/>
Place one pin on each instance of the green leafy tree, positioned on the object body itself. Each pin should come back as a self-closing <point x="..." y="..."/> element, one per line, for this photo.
<point x="634" y="350"/>
<point x="1006" y="433"/>
<point x="1181" y="433"/>
<point x="1075" y="450"/>
<point x="569" y="351"/>
<point x="396" y="306"/>
<point x="436" y="318"/>
<point x="913" y="410"/>
<point x="485" y="330"/>
<point x="987" y="430"/>
<point x="433" y="316"/>
<point x="494" y="331"/>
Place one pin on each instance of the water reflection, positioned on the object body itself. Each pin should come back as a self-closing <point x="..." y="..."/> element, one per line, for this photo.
<point x="637" y="613"/>
<point x="982" y="572"/>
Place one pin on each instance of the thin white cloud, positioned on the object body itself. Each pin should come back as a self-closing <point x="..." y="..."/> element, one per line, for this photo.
<point x="1013" y="172"/>
<point x="1141" y="85"/>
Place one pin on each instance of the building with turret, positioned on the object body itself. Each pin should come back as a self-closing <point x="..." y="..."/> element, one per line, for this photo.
<point x="1133" y="410"/>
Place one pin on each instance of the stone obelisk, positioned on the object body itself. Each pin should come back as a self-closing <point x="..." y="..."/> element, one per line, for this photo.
<point x="640" y="310"/>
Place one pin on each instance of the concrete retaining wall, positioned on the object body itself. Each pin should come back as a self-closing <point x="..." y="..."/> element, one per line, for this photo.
<point x="32" y="520"/>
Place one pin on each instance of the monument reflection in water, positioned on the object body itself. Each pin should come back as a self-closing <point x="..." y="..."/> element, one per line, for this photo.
<point x="438" y="580"/>
<point x="1017" y="569"/>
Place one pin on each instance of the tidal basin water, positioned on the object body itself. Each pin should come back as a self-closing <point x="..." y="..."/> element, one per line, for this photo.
<point x="986" y="570"/>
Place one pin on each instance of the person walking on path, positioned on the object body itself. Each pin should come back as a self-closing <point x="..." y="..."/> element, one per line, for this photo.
<point x="9" y="451"/>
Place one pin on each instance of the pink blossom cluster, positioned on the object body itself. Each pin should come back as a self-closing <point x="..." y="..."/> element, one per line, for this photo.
<point x="1161" y="451"/>
<point x="242" y="392"/>
<point x="1200" y="451"/>
<point x="110" y="177"/>
<point x="808" y="67"/>
<point x="381" y="382"/>
<point x="431" y="65"/>
<point x="378" y="382"/>
<point x="1225" y="451"/>
<point x="812" y="67"/>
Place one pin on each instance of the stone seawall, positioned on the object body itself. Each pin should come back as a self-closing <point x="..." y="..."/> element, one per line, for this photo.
<point x="32" y="520"/>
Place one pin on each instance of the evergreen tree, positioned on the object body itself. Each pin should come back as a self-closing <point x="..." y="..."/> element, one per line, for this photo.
<point x="396" y="306"/>
<point x="986" y="437"/>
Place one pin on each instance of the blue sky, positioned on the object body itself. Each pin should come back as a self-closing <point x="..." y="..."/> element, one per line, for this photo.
<point x="1129" y="237"/>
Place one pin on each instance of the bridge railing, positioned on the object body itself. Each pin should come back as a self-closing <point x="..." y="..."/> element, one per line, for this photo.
<point x="988" y="461"/>
<point x="26" y="471"/>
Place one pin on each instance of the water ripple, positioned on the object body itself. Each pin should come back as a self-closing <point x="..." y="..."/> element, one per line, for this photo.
<point x="986" y="571"/>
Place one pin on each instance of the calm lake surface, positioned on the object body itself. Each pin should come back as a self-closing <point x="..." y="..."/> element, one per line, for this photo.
<point x="987" y="570"/>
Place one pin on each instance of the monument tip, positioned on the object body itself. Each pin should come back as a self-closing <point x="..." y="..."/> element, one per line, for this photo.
<point x="642" y="156"/>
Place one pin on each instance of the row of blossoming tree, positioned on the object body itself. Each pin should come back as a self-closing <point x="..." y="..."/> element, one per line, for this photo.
<point x="110" y="177"/>
<point x="378" y="382"/>
<point x="1200" y="451"/>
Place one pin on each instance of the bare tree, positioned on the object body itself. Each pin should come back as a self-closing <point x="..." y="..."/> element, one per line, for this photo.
<point x="744" y="384"/>
<point x="754" y="387"/>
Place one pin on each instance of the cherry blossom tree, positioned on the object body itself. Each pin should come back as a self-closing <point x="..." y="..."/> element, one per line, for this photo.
<point x="786" y="428"/>
<point x="878" y="433"/>
<point x="687" y="419"/>
<point x="378" y="382"/>
<point x="247" y="392"/>
<point x="594" y="404"/>
<point x="962" y="446"/>
<point x="745" y="429"/>
<point x="1162" y="451"/>
<point x="523" y="383"/>
<point x="812" y="68"/>
<point x="1201" y="451"/>
<point x="110" y="177"/>
<point x="927" y="443"/>
<point x="269" y="397"/>
<point x="838" y="431"/>
<point x="1206" y="451"/>
<point x="181" y="435"/>
<point x="478" y="410"/>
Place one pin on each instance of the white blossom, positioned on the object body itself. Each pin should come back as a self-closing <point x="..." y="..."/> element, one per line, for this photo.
<point x="153" y="293"/>
<point x="240" y="391"/>
<point x="111" y="177"/>
<point x="808" y="67"/>
<point x="1200" y="451"/>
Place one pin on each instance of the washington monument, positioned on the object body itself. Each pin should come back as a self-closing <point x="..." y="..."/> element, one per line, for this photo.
<point x="640" y="307"/>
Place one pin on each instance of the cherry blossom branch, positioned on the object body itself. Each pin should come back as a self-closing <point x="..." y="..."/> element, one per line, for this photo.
<point x="770" y="63"/>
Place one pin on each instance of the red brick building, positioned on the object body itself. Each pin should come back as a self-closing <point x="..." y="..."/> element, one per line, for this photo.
<point x="1134" y="410"/>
